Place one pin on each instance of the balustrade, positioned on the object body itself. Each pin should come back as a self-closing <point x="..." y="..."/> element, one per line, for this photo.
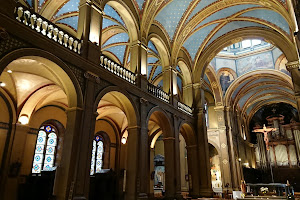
<point x="118" y="70"/>
<point x="185" y="108"/>
<point x="47" y="28"/>
<point x="158" y="93"/>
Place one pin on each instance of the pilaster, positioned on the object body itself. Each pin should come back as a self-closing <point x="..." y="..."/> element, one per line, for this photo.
<point x="89" y="29"/>
<point x="169" y="145"/>
<point x="144" y="175"/>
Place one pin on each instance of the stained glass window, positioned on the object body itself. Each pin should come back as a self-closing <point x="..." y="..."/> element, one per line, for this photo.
<point x="97" y="155"/>
<point x="45" y="148"/>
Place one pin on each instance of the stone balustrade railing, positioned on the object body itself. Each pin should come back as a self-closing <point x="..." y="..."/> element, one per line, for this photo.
<point x="118" y="70"/>
<point x="185" y="108"/>
<point x="47" y="28"/>
<point x="158" y="93"/>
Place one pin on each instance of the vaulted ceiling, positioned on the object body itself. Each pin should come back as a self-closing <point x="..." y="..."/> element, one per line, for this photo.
<point x="189" y="25"/>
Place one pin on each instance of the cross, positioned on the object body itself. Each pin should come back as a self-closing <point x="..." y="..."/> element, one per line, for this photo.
<point x="265" y="131"/>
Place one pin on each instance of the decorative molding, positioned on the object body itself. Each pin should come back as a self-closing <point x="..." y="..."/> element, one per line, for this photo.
<point x="225" y="162"/>
<point x="33" y="131"/>
<point x="91" y="76"/>
<point x="223" y="145"/>
<point x="4" y="125"/>
<point x="292" y="65"/>
<point x="144" y="101"/>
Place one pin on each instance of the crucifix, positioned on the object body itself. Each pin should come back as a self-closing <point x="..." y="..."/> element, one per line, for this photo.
<point x="265" y="131"/>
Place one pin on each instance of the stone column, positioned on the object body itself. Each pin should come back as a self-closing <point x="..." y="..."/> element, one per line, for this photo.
<point x="89" y="29"/>
<point x="17" y="153"/>
<point x="225" y="160"/>
<point x="170" y="83"/>
<point x="262" y="150"/>
<point x="293" y="68"/>
<point x="232" y="145"/>
<point x="144" y="170"/>
<point x="138" y="62"/>
<point x="81" y="189"/>
<point x="177" y="158"/>
<point x="187" y="92"/>
<point x="152" y="153"/>
<point x="65" y="175"/>
<point x="193" y="169"/>
<point x="205" y="188"/>
<point x="132" y="163"/>
<point x="169" y="145"/>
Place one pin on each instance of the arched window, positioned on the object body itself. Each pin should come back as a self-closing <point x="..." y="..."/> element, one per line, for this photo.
<point x="97" y="155"/>
<point x="45" y="149"/>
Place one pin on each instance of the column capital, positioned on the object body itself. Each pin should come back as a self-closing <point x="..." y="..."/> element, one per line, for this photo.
<point x="138" y="43"/>
<point x="187" y="86"/>
<point x="198" y="85"/>
<point x="169" y="139"/>
<point x="133" y="127"/>
<point x="73" y="109"/>
<point x="92" y="77"/>
<point x="292" y="65"/>
<point x="220" y="108"/>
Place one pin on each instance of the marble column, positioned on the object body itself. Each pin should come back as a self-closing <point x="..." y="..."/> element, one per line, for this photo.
<point x="225" y="160"/>
<point x="17" y="153"/>
<point x="187" y="91"/>
<point x="177" y="158"/>
<point x="138" y="62"/>
<point x="193" y="171"/>
<point x="65" y="175"/>
<point x="132" y="162"/>
<point x="89" y="29"/>
<point x="169" y="146"/>
<point x="144" y="169"/>
<point x="205" y="188"/>
<point x="293" y="68"/>
<point x="81" y="187"/>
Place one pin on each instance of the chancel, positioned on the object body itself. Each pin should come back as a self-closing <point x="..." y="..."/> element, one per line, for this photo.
<point x="149" y="99"/>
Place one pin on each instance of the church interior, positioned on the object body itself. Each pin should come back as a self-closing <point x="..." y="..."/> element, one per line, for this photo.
<point x="149" y="99"/>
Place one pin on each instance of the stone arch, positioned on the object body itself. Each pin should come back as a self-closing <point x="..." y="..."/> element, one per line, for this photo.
<point x="127" y="15"/>
<point x="162" y="49"/>
<point x="283" y="43"/>
<point x="188" y="133"/>
<point x="6" y="143"/>
<point x="66" y="78"/>
<point x="247" y="76"/>
<point x="215" y="85"/>
<point x="130" y="108"/>
<point x="164" y="119"/>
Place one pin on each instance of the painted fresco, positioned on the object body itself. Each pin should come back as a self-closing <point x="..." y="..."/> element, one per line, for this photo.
<point x="226" y="78"/>
<point x="250" y="63"/>
<point x="220" y="63"/>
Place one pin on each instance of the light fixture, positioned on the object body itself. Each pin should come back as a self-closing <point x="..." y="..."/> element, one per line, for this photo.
<point x="240" y="159"/>
<point x="2" y="84"/>
<point x="23" y="119"/>
<point x="123" y="140"/>
<point x="9" y="71"/>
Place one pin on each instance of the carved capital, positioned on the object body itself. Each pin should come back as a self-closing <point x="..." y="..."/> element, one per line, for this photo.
<point x="292" y="65"/>
<point x="91" y="76"/>
<point x="143" y="101"/>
